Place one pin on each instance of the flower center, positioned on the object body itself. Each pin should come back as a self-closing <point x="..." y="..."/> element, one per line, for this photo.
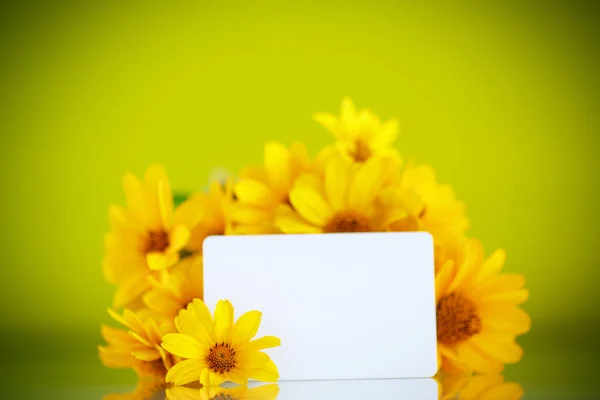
<point x="457" y="319"/>
<point x="221" y="358"/>
<point x="348" y="221"/>
<point x="362" y="151"/>
<point x="155" y="241"/>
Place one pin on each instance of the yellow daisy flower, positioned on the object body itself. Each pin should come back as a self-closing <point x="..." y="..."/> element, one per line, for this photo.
<point x="422" y="204"/>
<point x="212" y="212"/>
<point x="137" y="347"/>
<point x="478" y="387"/>
<point x="182" y="285"/>
<point x="343" y="200"/>
<point x="360" y="134"/>
<point x="219" y="345"/>
<point x="478" y="317"/>
<point x="435" y="206"/>
<point x="261" y="190"/>
<point x="145" y="238"/>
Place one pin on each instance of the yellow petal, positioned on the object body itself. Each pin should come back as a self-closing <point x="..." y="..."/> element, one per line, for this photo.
<point x="245" y="328"/>
<point x="183" y="346"/>
<point x="249" y="359"/>
<point x="506" y="391"/>
<point x="267" y="373"/>
<point x="165" y="203"/>
<point x="265" y="342"/>
<point x="507" y="298"/>
<point x="120" y="218"/>
<point x="178" y="238"/>
<point x="288" y="221"/>
<point x="366" y="184"/>
<point x="146" y="354"/>
<point x="158" y="261"/>
<point x="223" y="320"/>
<point x="477" y="361"/>
<point x="501" y="283"/>
<point x="187" y="324"/>
<point x="328" y="121"/>
<point x="499" y="346"/>
<point x="245" y="214"/>
<point x="492" y="266"/>
<point x="201" y="312"/>
<point x="130" y="290"/>
<point x="337" y="179"/>
<point x="348" y="112"/>
<point x="210" y="379"/>
<point x="443" y="279"/>
<point x="136" y="199"/>
<point x="388" y="134"/>
<point x="311" y="205"/>
<point x="254" y="193"/>
<point x="508" y="319"/>
<point x="277" y="165"/>
<point x="185" y="372"/>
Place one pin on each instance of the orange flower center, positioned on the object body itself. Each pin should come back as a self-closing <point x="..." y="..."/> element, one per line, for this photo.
<point x="362" y="151"/>
<point x="155" y="241"/>
<point x="457" y="319"/>
<point x="221" y="358"/>
<point x="348" y="221"/>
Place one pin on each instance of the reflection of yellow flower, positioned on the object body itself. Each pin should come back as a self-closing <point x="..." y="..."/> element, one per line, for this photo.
<point x="138" y="347"/>
<point x="423" y="204"/>
<point x="478" y="387"/>
<point x="145" y="237"/>
<point x="212" y="391"/>
<point x="224" y="348"/>
<point x="264" y="392"/>
<point x="145" y="389"/>
<point x="345" y="200"/>
<point x="360" y="135"/>
<point x="183" y="284"/>
<point x="214" y="209"/>
<point x="261" y="190"/>
<point x="478" y="317"/>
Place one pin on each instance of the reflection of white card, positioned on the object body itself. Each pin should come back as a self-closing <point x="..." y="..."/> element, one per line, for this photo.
<point x="346" y="306"/>
<point x="392" y="389"/>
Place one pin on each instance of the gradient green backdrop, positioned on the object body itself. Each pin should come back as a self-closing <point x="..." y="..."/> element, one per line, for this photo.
<point x="502" y="99"/>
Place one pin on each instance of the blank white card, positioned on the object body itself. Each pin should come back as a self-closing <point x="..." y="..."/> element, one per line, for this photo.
<point x="345" y="306"/>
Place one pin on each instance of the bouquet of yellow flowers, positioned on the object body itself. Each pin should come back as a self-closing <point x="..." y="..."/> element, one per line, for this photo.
<point x="358" y="184"/>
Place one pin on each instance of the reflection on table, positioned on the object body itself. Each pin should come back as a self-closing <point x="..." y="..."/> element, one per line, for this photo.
<point x="480" y="387"/>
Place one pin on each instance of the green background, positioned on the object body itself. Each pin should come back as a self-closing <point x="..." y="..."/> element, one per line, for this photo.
<point x="501" y="98"/>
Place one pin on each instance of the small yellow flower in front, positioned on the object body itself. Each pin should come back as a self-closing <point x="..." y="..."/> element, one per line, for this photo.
<point x="478" y="387"/>
<point x="343" y="199"/>
<point x="224" y="348"/>
<point x="137" y="347"/>
<point x="478" y="318"/>
<point x="261" y="190"/>
<point x="183" y="284"/>
<point x="360" y="134"/>
<point x="145" y="238"/>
